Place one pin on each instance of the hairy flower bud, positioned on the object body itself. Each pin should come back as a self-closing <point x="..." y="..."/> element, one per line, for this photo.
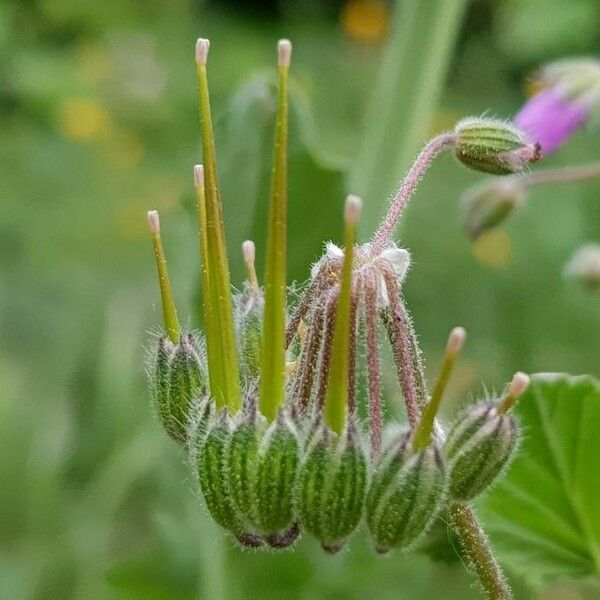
<point x="214" y="478"/>
<point x="177" y="381"/>
<point x="331" y="488"/>
<point x="241" y="466"/>
<point x="479" y="446"/>
<point x="277" y="466"/>
<point x="488" y="205"/>
<point x="406" y="494"/>
<point x="493" y="146"/>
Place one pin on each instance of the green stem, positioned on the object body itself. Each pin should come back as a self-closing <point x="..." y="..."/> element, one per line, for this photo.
<point x="478" y="551"/>
<point x="562" y="175"/>
<point x="208" y="316"/>
<point x="336" y="399"/>
<point x="423" y="432"/>
<point x="470" y="533"/>
<point x="409" y="83"/>
<point x="227" y="390"/>
<point x="166" y="294"/>
<point x="272" y="372"/>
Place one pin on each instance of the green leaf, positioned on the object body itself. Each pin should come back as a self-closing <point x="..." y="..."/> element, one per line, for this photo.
<point x="544" y="516"/>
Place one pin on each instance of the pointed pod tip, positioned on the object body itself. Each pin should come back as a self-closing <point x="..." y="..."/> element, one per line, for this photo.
<point x="352" y="209"/>
<point x="456" y="340"/>
<point x="154" y="221"/>
<point x="249" y="251"/>
<point x="202" y="48"/>
<point x="520" y="382"/>
<point x="199" y="176"/>
<point x="284" y="52"/>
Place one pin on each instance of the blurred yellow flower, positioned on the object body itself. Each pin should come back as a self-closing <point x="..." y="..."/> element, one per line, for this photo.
<point x="93" y="63"/>
<point x="366" y="19"/>
<point x="124" y="150"/>
<point x="493" y="249"/>
<point x="83" y="120"/>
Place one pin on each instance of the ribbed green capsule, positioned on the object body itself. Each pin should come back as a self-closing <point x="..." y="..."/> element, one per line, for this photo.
<point x="213" y="476"/>
<point x="277" y="468"/>
<point x="242" y="468"/>
<point x="177" y="381"/>
<point x="405" y="496"/>
<point x="493" y="146"/>
<point x="331" y="488"/>
<point x="478" y="448"/>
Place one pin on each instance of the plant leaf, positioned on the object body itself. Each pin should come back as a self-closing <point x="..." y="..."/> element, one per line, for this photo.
<point x="544" y="516"/>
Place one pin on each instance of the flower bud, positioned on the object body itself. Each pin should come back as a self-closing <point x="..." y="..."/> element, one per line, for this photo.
<point x="478" y="448"/>
<point x="584" y="266"/>
<point x="331" y="488"/>
<point x="277" y="466"/>
<point x="214" y="478"/>
<point x="493" y="146"/>
<point x="489" y="205"/>
<point x="177" y="381"/>
<point x="406" y="494"/>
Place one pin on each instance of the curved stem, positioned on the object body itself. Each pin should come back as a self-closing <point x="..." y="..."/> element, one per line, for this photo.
<point x="409" y="184"/>
<point x="413" y="70"/>
<point x="477" y="548"/>
<point x="562" y="175"/>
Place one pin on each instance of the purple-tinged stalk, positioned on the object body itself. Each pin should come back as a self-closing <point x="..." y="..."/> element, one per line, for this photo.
<point x="372" y="358"/>
<point x="170" y="319"/>
<point x="224" y="374"/>
<point x="454" y="346"/>
<point x="400" y="328"/>
<point x="407" y="188"/>
<point x="486" y="145"/>
<point x="272" y="373"/>
<point x="336" y="400"/>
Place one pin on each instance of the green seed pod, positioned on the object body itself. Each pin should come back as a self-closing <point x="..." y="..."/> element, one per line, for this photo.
<point x="405" y="496"/>
<point x="331" y="488"/>
<point x="242" y="467"/>
<point x="276" y="477"/>
<point x="177" y="382"/>
<point x="214" y="479"/>
<point x="489" y="205"/>
<point x="493" y="146"/>
<point x="479" y="447"/>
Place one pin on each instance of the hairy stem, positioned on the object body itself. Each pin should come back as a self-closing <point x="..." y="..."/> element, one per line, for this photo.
<point x="375" y="416"/>
<point x="562" y="175"/>
<point x="410" y="79"/>
<point x="409" y="184"/>
<point x="308" y="361"/>
<point x="399" y="330"/>
<point x="477" y="548"/>
<point x="325" y="360"/>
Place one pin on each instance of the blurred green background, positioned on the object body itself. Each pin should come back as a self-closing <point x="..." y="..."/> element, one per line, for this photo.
<point x="98" y="124"/>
